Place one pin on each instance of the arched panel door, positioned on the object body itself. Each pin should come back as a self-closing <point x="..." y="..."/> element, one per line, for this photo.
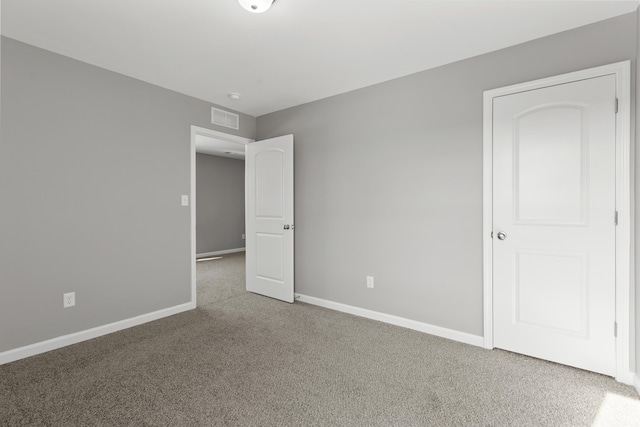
<point x="269" y="219"/>
<point x="554" y="223"/>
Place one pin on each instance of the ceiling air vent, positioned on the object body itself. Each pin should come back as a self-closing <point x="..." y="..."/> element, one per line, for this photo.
<point x="225" y="118"/>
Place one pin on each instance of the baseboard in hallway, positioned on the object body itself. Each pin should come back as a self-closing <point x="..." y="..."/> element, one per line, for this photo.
<point x="223" y="252"/>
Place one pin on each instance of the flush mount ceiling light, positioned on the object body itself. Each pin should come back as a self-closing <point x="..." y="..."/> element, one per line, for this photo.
<point x="256" y="6"/>
<point x="234" y="96"/>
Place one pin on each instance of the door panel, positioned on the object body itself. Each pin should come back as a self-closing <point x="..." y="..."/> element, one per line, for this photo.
<point x="269" y="253"/>
<point x="269" y="189"/>
<point x="550" y="167"/>
<point x="554" y="200"/>
<point x="268" y="182"/>
<point x="550" y="290"/>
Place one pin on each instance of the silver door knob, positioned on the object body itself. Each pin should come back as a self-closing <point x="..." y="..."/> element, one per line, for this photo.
<point x="286" y="226"/>
<point x="502" y="236"/>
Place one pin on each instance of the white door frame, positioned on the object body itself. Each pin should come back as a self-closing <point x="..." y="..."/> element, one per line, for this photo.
<point x="196" y="130"/>
<point x="624" y="205"/>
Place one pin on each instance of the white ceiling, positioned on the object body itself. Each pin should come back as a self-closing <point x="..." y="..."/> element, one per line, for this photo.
<point x="219" y="147"/>
<point x="297" y="52"/>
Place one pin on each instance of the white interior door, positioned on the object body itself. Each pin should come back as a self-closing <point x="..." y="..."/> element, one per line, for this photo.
<point x="269" y="218"/>
<point x="554" y="223"/>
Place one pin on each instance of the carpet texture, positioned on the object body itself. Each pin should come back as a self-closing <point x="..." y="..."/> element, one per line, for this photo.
<point x="244" y="360"/>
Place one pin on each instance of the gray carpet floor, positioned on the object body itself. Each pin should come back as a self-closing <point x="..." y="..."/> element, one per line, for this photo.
<point x="244" y="360"/>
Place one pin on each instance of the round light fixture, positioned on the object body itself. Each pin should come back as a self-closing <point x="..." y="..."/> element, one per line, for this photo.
<point x="256" y="6"/>
<point x="234" y="96"/>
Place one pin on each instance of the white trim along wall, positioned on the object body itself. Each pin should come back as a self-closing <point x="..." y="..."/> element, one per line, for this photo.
<point x="394" y="320"/>
<point x="624" y="205"/>
<point x="74" y="338"/>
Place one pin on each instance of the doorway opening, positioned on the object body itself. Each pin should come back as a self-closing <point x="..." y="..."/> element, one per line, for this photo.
<point x="218" y="203"/>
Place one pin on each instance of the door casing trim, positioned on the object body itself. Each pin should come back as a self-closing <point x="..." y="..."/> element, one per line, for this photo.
<point x="625" y="309"/>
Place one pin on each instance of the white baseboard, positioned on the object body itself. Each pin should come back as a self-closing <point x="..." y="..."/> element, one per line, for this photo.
<point x="395" y="320"/>
<point x="65" y="340"/>
<point x="629" y="378"/>
<point x="636" y="383"/>
<point x="226" y="251"/>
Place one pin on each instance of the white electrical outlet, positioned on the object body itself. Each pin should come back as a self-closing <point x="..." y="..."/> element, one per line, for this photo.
<point x="369" y="281"/>
<point x="68" y="299"/>
<point x="243" y="237"/>
<point x="184" y="200"/>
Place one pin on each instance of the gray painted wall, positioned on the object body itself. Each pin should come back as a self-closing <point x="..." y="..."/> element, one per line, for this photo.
<point x="92" y="166"/>
<point x="219" y="203"/>
<point x="389" y="178"/>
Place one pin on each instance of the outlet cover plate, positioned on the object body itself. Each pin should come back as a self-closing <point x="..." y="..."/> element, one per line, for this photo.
<point x="68" y="299"/>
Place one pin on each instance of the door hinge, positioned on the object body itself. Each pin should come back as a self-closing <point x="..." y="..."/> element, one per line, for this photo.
<point x="616" y="105"/>
<point x="492" y="234"/>
<point x="615" y="329"/>
<point x="615" y="218"/>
